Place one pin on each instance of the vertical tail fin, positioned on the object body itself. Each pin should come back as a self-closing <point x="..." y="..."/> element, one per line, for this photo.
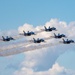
<point x="54" y="34"/>
<point x="49" y="27"/>
<point x="34" y="39"/>
<point x="45" y="27"/>
<point x="63" y="40"/>
<point x="58" y="34"/>
<point x="24" y="32"/>
<point x="28" y="31"/>
<point x="6" y="37"/>
<point x="3" y="38"/>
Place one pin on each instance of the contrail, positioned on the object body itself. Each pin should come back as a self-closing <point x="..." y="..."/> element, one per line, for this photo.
<point x="24" y="48"/>
<point x="12" y="48"/>
<point x="11" y="45"/>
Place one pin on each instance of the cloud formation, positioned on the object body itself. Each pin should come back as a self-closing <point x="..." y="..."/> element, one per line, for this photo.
<point x="61" y="27"/>
<point x="41" y="58"/>
<point x="55" y="70"/>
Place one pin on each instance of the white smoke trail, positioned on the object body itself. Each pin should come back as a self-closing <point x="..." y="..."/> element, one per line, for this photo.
<point x="12" y="45"/>
<point x="24" y="48"/>
<point x="60" y="26"/>
<point x="46" y="53"/>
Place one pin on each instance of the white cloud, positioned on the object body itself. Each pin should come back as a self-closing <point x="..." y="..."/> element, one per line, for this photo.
<point x="26" y="27"/>
<point x="8" y="33"/>
<point x="61" y="26"/>
<point x="40" y="62"/>
<point x="55" y="70"/>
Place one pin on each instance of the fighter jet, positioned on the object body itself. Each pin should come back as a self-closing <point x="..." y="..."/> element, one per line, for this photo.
<point x="68" y="41"/>
<point x="49" y="29"/>
<point x="38" y="40"/>
<point x="7" y="38"/>
<point x="59" y="35"/>
<point x="28" y="33"/>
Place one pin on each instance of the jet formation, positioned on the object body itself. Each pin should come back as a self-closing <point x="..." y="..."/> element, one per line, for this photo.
<point x="11" y="48"/>
<point x="39" y="40"/>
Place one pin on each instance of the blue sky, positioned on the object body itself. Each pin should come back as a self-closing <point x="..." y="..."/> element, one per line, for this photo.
<point x="17" y="12"/>
<point x="67" y="59"/>
<point x="14" y="13"/>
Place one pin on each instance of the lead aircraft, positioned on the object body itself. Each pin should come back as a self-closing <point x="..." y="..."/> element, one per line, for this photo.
<point x="49" y="28"/>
